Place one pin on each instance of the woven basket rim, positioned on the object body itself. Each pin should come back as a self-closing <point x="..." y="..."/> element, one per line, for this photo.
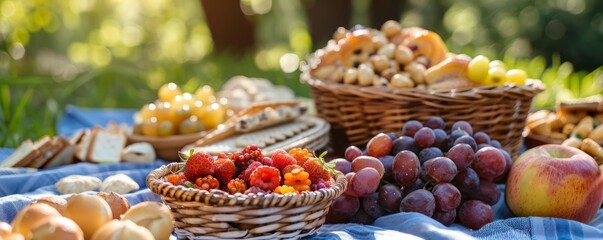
<point x="159" y="186"/>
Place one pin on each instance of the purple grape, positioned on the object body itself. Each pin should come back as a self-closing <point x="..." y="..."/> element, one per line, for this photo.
<point x="462" y="155"/>
<point x="342" y="165"/>
<point x="406" y="168"/>
<point x="489" y="163"/>
<point x="441" y="140"/>
<point x="392" y="136"/>
<point x="466" y="140"/>
<point x="425" y="137"/>
<point x="447" y="196"/>
<point x="495" y="143"/>
<point x="387" y="161"/>
<point x="440" y="169"/>
<point x="352" y="152"/>
<point x="482" y="145"/>
<point x="418" y="184"/>
<point x="361" y="217"/>
<point x="508" y="163"/>
<point x="435" y="123"/>
<point x="481" y="137"/>
<point x="366" y="181"/>
<point x="487" y="192"/>
<point x="429" y="153"/>
<point x="454" y="135"/>
<point x="421" y="201"/>
<point x="445" y="218"/>
<point x="390" y="197"/>
<point x="405" y="143"/>
<point x="345" y="206"/>
<point x="411" y="127"/>
<point x="464" y="125"/>
<point x="467" y="181"/>
<point x="379" y="145"/>
<point x="474" y="214"/>
<point x="371" y="205"/>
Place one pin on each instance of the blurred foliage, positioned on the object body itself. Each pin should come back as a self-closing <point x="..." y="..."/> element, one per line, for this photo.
<point x="117" y="53"/>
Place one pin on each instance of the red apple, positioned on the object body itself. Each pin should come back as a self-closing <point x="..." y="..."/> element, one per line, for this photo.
<point x="555" y="181"/>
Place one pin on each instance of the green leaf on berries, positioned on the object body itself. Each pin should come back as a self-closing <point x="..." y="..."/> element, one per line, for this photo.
<point x="328" y="166"/>
<point x="184" y="157"/>
<point x="189" y="184"/>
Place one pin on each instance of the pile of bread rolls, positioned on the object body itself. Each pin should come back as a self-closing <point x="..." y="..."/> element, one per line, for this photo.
<point x="102" y="216"/>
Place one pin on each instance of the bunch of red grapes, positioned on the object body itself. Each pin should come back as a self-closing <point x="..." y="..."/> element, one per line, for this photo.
<point x="448" y="176"/>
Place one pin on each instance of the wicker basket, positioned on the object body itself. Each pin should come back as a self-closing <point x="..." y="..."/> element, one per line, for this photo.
<point x="357" y="113"/>
<point x="200" y="214"/>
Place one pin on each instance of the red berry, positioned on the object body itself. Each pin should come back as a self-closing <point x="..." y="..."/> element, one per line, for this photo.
<point x="316" y="171"/>
<point x="174" y="178"/>
<point x="290" y="168"/>
<point x="207" y="183"/>
<point x="281" y="159"/>
<point x="247" y="156"/>
<point x="266" y="178"/>
<point x="224" y="170"/>
<point x="236" y="186"/>
<point x="198" y="165"/>
<point x="247" y="173"/>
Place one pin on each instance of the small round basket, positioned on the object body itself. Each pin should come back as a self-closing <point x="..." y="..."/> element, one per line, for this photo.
<point x="201" y="214"/>
<point x="358" y="113"/>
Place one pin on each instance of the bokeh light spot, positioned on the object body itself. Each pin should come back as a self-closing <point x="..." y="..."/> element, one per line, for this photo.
<point x="289" y="62"/>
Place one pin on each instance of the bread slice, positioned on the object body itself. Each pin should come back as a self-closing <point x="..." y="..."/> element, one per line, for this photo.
<point x="22" y="156"/>
<point x="77" y="137"/>
<point x="83" y="147"/>
<point x="46" y="149"/>
<point x="64" y="156"/>
<point x="106" y="147"/>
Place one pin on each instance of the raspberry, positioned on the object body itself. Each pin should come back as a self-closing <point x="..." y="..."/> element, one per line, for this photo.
<point x="247" y="173"/>
<point x="174" y="178"/>
<point x="300" y="155"/>
<point x="198" y="165"/>
<point x="316" y="170"/>
<point x="247" y="156"/>
<point x="290" y="168"/>
<point x="281" y="159"/>
<point x="284" y="189"/>
<point x="254" y="190"/>
<point x="224" y="170"/>
<point x="298" y="180"/>
<point x="320" y="185"/>
<point x="266" y="178"/>
<point x="207" y="183"/>
<point x="267" y="161"/>
<point x="236" y="186"/>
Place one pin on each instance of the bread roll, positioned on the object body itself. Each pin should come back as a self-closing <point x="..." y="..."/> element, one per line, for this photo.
<point x="122" y="230"/>
<point x="5" y="229"/>
<point x="58" y="228"/>
<point x="118" y="203"/>
<point x="90" y="212"/>
<point x="56" y="202"/>
<point x="154" y="216"/>
<point x="31" y="217"/>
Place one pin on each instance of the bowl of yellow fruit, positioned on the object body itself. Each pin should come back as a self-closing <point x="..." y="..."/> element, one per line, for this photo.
<point x="177" y="118"/>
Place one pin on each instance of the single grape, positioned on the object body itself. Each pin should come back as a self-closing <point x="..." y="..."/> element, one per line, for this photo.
<point x="441" y="140"/>
<point x="205" y="94"/>
<point x="445" y="218"/>
<point x="487" y="192"/>
<point x="474" y="214"/>
<point x="440" y="169"/>
<point x="165" y="128"/>
<point x="342" y="165"/>
<point x="352" y="152"/>
<point x="516" y="76"/>
<point x="462" y="155"/>
<point x="429" y="153"/>
<point x="508" y="163"/>
<point x="467" y="181"/>
<point x="149" y="127"/>
<point x="147" y="111"/>
<point x="418" y="184"/>
<point x="496" y="76"/>
<point x="387" y="161"/>
<point x="464" y="125"/>
<point x="350" y="190"/>
<point x="390" y="197"/>
<point x="447" y="196"/>
<point x="482" y="145"/>
<point x="190" y="125"/>
<point x="425" y="137"/>
<point x="379" y="145"/>
<point x="457" y="133"/>
<point x="481" y="137"/>
<point x="168" y="92"/>
<point x="421" y="201"/>
<point x="435" y="123"/>
<point x="477" y="70"/>
<point x="411" y="127"/>
<point x="406" y="168"/>
<point x="466" y="140"/>
<point x="489" y="163"/>
<point x="361" y="217"/>
<point x="368" y="162"/>
<point x="370" y="204"/>
<point x="495" y="143"/>
<point x="345" y="206"/>
<point x="405" y="143"/>
<point x="366" y="181"/>
<point x="392" y="135"/>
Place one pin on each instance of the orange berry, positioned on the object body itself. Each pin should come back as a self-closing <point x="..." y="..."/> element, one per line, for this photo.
<point x="285" y="189"/>
<point x="300" y="155"/>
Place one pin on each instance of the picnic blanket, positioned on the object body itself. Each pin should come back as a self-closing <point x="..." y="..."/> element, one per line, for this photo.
<point x="19" y="186"/>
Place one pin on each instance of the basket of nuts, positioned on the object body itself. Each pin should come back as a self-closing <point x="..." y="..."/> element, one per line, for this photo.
<point x="246" y="194"/>
<point x="367" y="81"/>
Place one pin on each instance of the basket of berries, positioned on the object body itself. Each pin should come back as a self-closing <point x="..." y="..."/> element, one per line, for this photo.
<point x="367" y="81"/>
<point x="247" y="194"/>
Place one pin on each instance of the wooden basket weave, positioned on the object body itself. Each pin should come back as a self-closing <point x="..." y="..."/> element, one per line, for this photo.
<point x="201" y="214"/>
<point x="357" y="113"/>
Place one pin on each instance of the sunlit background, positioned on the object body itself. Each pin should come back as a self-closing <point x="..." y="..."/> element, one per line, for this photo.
<point x="117" y="53"/>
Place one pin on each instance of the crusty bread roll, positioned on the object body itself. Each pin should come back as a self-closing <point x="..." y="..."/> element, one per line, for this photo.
<point x="118" y="203"/>
<point x="154" y="216"/>
<point x="5" y="229"/>
<point x="90" y="212"/>
<point x="31" y="217"/>
<point x="122" y="230"/>
<point x="58" y="228"/>
<point x="56" y="202"/>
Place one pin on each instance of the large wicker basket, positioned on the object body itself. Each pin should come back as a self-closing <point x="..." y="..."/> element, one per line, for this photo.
<point x="200" y="214"/>
<point x="358" y="113"/>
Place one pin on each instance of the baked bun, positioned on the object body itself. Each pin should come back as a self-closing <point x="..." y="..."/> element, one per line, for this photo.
<point x="5" y="229"/>
<point x="122" y="230"/>
<point x="58" y="228"/>
<point x="90" y="212"/>
<point x="154" y="216"/>
<point x="56" y="202"/>
<point x="118" y="203"/>
<point x="32" y="216"/>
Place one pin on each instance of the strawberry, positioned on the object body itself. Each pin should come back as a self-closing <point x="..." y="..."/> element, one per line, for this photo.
<point x="318" y="169"/>
<point x="281" y="159"/>
<point x="198" y="165"/>
<point x="224" y="170"/>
